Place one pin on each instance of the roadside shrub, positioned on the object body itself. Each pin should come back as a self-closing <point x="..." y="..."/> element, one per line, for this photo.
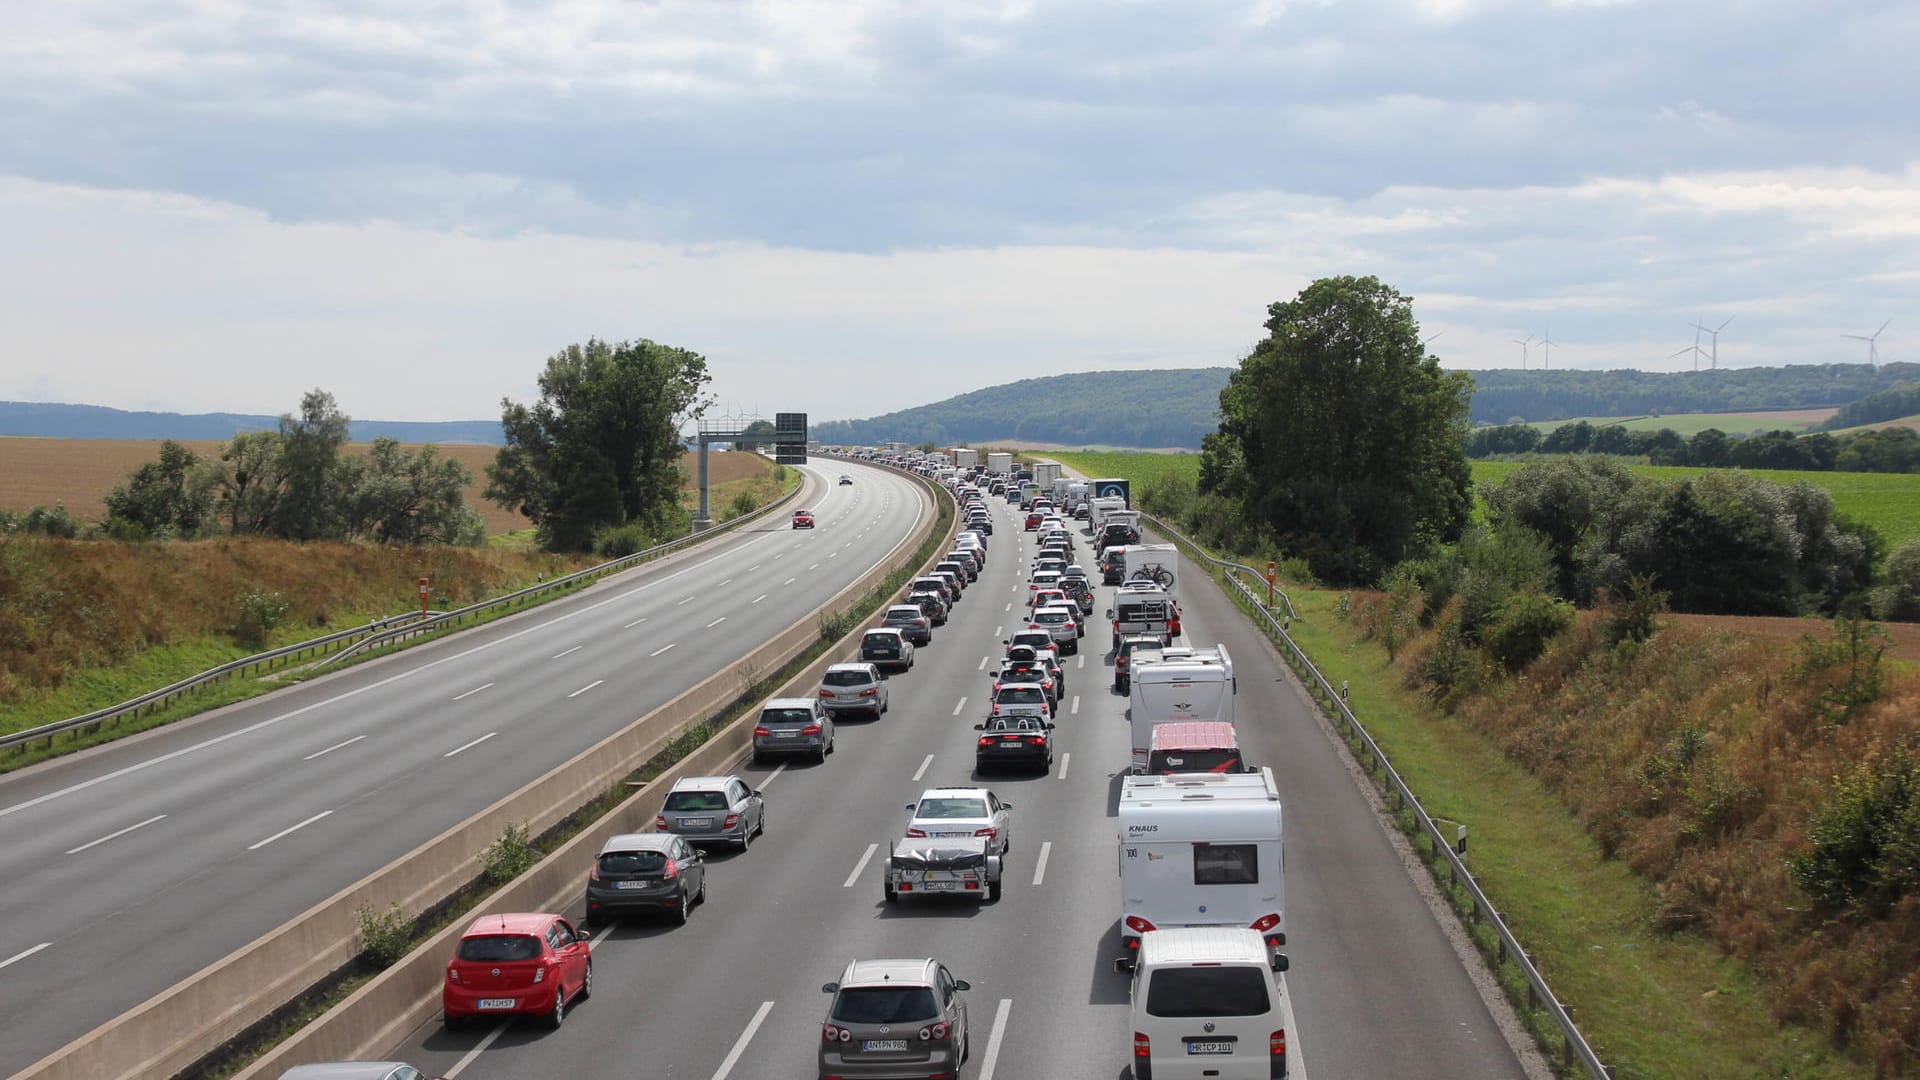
<point x="1898" y="597"/>
<point x="619" y="541"/>
<point x="742" y="505"/>
<point x="508" y="857"/>
<point x="386" y="936"/>
<point x="1633" y="616"/>
<point x="1523" y="627"/>
<point x="259" y="614"/>
<point x="1866" y="839"/>
<point x="42" y="520"/>
<point x="1848" y="665"/>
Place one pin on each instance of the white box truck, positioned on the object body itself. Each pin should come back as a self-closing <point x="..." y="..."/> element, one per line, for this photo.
<point x="1201" y="849"/>
<point x="1046" y="473"/>
<point x="1156" y="563"/>
<point x="1192" y="685"/>
<point x="965" y="458"/>
<point x="1000" y="464"/>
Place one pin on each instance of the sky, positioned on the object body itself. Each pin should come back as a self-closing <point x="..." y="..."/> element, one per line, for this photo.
<point x="851" y="208"/>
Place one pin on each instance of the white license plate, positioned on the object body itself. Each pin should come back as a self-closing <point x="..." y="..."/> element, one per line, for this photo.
<point x="786" y="734"/>
<point x="496" y="1003"/>
<point x="944" y="835"/>
<point x="1209" y="1046"/>
<point x="697" y="822"/>
<point x="942" y="886"/>
<point x="631" y="884"/>
<point x="871" y="1045"/>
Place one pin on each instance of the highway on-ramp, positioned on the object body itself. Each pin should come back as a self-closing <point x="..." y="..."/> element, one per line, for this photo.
<point x="735" y="995"/>
<point x="129" y="867"/>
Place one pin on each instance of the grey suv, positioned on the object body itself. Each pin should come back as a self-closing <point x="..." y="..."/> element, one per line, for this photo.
<point x="892" y="1018"/>
<point x="793" y="726"/>
<point x="853" y="688"/>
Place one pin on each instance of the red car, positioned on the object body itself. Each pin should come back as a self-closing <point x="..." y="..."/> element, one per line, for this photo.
<point x="1034" y="519"/>
<point x="517" y="964"/>
<point x="803" y="519"/>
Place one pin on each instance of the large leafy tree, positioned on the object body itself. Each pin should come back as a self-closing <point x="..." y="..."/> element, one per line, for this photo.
<point x="602" y="446"/>
<point x="1341" y="436"/>
<point x="398" y="497"/>
<point x="172" y="496"/>
<point x="315" y="482"/>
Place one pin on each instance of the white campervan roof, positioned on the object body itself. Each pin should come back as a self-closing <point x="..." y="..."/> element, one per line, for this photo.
<point x="1188" y="807"/>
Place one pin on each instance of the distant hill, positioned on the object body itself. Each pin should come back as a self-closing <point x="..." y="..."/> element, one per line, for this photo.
<point x="1893" y="403"/>
<point x="99" y="422"/>
<point x="1095" y="408"/>
<point x="1502" y="395"/>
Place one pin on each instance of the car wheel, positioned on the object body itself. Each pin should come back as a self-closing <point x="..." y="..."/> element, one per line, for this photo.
<point x="701" y="896"/>
<point x="892" y="897"/>
<point x="559" y="1014"/>
<point x="760" y="823"/>
<point x="884" y="706"/>
<point x="746" y="839"/>
<point x="680" y="910"/>
<point x="993" y="892"/>
<point x="586" y="983"/>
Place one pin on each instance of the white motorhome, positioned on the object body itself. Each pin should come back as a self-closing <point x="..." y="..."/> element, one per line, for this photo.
<point x="1185" y="686"/>
<point x="1201" y="849"/>
<point x="1156" y="563"/>
<point x="1142" y="609"/>
<point x="1099" y="507"/>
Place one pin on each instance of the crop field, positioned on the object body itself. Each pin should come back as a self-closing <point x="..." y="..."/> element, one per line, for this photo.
<point x="80" y="472"/>
<point x="1137" y="467"/>
<point x="1745" y="423"/>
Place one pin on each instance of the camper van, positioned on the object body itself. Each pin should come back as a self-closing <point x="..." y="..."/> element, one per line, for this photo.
<point x="1201" y="849"/>
<point x="1190" y="686"/>
<point x="1144" y="610"/>
<point x="1208" y="1003"/>
<point x="1194" y="747"/>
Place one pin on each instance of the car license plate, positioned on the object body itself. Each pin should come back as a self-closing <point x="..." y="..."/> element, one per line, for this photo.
<point x="1009" y="742"/>
<point x="630" y="884"/>
<point x="871" y="1045"/>
<point x="1209" y="1046"/>
<point x="786" y="734"/>
<point x="496" y="1003"/>
<point x="943" y="835"/>
<point x="942" y="886"/>
<point x="697" y="822"/>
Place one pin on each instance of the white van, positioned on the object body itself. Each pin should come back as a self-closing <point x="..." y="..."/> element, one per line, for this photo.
<point x="1183" y="686"/>
<point x="1201" y="849"/>
<point x="1208" y="1003"/>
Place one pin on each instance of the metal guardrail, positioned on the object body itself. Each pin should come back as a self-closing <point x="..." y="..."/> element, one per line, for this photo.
<point x="1540" y="995"/>
<point x="373" y="634"/>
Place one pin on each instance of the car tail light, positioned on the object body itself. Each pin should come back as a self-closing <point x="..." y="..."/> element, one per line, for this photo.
<point x="1173" y="627"/>
<point x="659" y="823"/>
<point x="594" y="874"/>
<point x="825" y="692"/>
<point x="989" y="832"/>
<point x="986" y="740"/>
<point x="762" y="731"/>
<point x="453" y="974"/>
<point x="1036" y="740"/>
<point x="1266" y="922"/>
<point x="1139" y="925"/>
<point x="732" y="820"/>
<point x="834" y="1033"/>
<point x="916" y="832"/>
<point x="870" y="692"/>
<point x="672" y="871"/>
<point x="1142" y="1046"/>
<point x="810" y="729"/>
<point x="936" y="1032"/>
<point x="996" y="708"/>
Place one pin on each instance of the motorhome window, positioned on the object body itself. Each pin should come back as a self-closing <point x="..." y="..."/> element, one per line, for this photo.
<point x="1226" y="864"/>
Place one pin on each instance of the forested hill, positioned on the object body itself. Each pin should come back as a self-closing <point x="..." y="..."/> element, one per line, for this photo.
<point x="1500" y="395"/>
<point x="1095" y="408"/>
<point x="61" y="421"/>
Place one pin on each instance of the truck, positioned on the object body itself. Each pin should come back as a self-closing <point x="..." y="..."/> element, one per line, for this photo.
<point x="1045" y="473"/>
<point x="999" y="464"/>
<point x="964" y="458"/>
<point x="1157" y="563"/>
<point x="1114" y="487"/>
<point x="1184" y="686"/>
<point x="1201" y="849"/>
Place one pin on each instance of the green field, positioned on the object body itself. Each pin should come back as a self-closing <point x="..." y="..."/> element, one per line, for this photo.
<point x="1890" y="502"/>
<point x="1690" y="424"/>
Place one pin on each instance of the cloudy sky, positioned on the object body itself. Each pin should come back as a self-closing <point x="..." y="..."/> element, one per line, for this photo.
<point x="213" y="205"/>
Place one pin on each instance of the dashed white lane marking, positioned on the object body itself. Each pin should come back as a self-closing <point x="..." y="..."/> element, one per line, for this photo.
<point x="258" y="844"/>
<point x="1066" y="762"/>
<point x="478" y="1048"/>
<point x="24" y="953"/>
<point x="1040" y="865"/>
<point x="338" y="745"/>
<point x="678" y="603"/>
<point x="993" y="1041"/>
<point x="471" y="745"/>
<point x="752" y="568"/>
<point x="983" y="663"/>
<point x="759" y="598"/>
<point x="922" y="770"/>
<point x="859" y="866"/>
<point x="789" y="581"/>
<point x="740" y="1044"/>
<point x="1009" y="606"/>
<point x="586" y="688"/>
<point x="634" y="623"/>
<point x="658" y="651"/>
<point x="112" y="836"/>
<point x="774" y="775"/>
<point x="715" y="623"/>
<point x="725" y="583"/>
<point x="472" y="692"/>
<point x="1076" y="705"/>
<point x="1082" y="663"/>
<point x="958" y="705"/>
<point x="998" y="630"/>
<point x="815" y="566"/>
<point x="569" y="652"/>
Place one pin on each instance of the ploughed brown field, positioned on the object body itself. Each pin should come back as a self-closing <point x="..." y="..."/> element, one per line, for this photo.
<point x="80" y="472"/>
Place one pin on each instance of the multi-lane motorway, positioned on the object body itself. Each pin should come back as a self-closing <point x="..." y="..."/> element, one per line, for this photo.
<point x="128" y="868"/>
<point x="735" y="995"/>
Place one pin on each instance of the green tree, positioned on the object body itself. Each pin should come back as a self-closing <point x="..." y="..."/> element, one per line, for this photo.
<point x="397" y="497"/>
<point x="1341" y="436"/>
<point x="313" y="493"/>
<point x="1898" y="597"/>
<point x="1561" y="499"/>
<point x="601" y="448"/>
<point x="250" y="481"/>
<point x="169" y="497"/>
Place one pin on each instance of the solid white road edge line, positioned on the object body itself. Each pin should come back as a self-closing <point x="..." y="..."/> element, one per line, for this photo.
<point x="993" y="1040"/>
<point x="859" y="866"/>
<point x="22" y="955"/>
<point x="586" y="688"/>
<point x="478" y="1048"/>
<point x="740" y="1044"/>
<point x="569" y="652"/>
<point x="257" y="845"/>
<point x="657" y="652"/>
<point x="113" y="836"/>
<point x="958" y="705"/>
<point x="471" y="745"/>
<point x="1040" y="866"/>
<point x="349" y="742"/>
<point x="922" y="770"/>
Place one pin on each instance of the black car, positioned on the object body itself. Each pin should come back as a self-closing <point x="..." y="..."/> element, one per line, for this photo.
<point x="652" y="873"/>
<point x="1009" y="742"/>
<point x="1123" y="657"/>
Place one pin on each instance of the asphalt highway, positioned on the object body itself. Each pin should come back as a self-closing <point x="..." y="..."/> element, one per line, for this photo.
<point x="129" y="867"/>
<point x="735" y="995"/>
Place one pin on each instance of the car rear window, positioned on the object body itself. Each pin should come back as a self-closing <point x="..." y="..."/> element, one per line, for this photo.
<point x="695" y="800"/>
<point x="1050" y="616"/>
<point x="951" y="808"/>
<point x="845" y="678"/>
<point x="1183" y="992"/>
<point x="492" y="948"/>
<point x="1021" y="695"/>
<point x="884" y="1004"/>
<point x="633" y="862"/>
<point x="786" y="716"/>
<point x="881" y="639"/>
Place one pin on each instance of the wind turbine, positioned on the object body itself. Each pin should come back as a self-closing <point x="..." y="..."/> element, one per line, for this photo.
<point x="1525" y="349"/>
<point x="1873" y="343"/>
<point x="1694" y="348"/>
<point x="1714" y="334"/>
<point x="1546" y="346"/>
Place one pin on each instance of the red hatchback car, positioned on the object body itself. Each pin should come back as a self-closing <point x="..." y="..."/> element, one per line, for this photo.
<point x="803" y="519"/>
<point x="1034" y="519"/>
<point x="517" y="964"/>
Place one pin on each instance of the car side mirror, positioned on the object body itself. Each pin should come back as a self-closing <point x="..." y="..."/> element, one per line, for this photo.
<point x="1109" y="613"/>
<point x="1123" y="965"/>
<point x="979" y="727"/>
<point x="1006" y="806"/>
<point x="961" y="984"/>
<point x="1279" y="962"/>
<point x="830" y="988"/>
<point x="909" y="807"/>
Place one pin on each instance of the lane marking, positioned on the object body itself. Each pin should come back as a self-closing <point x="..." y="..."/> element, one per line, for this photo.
<point x="789" y="581"/>
<point x="586" y="688"/>
<point x="1040" y="867"/>
<point x="1083" y="662"/>
<point x="677" y="604"/>
<point x="634" y="623"/>
<point x="998" y="630"/>
<point x="1009" y="606"/>
<point x="569" y="652"/>
<point x="815" y="566"/>
<point x="349" y="742"/>
<point x="657" y="652"/>
<point x="19" y="956"/>
<point x="724" y="584"/>
<point x="1066" y="762"/>
<point x="752" y="568"/>
<point x="473" y="691"/>
<point x="830" y="555"/>
<point x="782" y="767"/>
<point x="715" y="623"/>
<point x="759" y="598"/>
<point x="993" y="1041"/>
<point x="110" y="836"/>
<point x="257" y="845"/>
<point x="470" y="745"/>
<point x="961" y="704"/>
<point x="1076" y="704"/>
<point x="740" y="1044"/>
<point x="983" y="663"/>
<point x="859" y="866"/>
<point x="922" y="770"/>
<point x="473" y="1054"/>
